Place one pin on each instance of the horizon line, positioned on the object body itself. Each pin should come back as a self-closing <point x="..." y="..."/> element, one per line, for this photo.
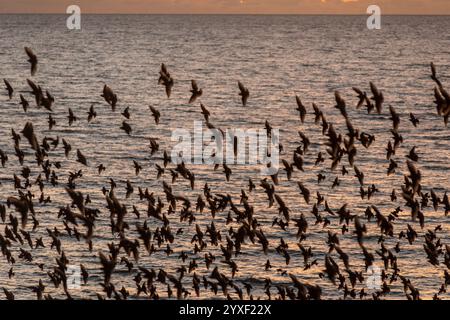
<point x="226" y="14"/>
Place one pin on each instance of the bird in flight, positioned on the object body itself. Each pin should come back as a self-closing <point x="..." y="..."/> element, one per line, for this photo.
<point x="196" y="92"/>
<point x="9" y="88"/>
<point x="245" y="93"/>
<point x="32" y="59"/>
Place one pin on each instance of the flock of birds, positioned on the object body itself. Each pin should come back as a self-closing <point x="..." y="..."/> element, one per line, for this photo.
<point x="20" y="220"/>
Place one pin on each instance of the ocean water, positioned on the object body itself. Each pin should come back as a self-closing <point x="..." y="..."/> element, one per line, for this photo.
<point x="276" y="57"/>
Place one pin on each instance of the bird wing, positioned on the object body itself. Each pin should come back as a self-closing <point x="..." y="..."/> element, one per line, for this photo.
<point x="374" y="89"/>
<point x="164" y="69"/>
<point x="194" y="85"/>
<point x="433" y="69"/>
<point x="168" y="91"/>
<point x="358" y="91"/>
<point x="242" y="87"/>
<point x="204" y="110"/>
<point x="33" y="60"/>
<point x="300" y="105"/>
<point x="33" y="86"/>
<point x="7" y="84"/>
<point x="30" y="53"/>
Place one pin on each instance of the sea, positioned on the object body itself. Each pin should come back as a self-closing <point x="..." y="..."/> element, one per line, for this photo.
<point x="276" y="57"/>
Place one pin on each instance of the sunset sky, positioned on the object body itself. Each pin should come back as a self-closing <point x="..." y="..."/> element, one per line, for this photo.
<point x="229" y="6"/>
